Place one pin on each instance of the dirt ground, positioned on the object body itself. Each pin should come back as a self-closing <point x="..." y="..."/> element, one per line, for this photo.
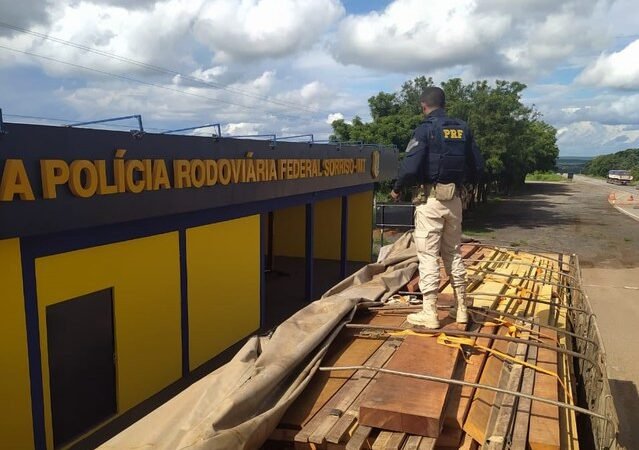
<point x="577" y="218"/>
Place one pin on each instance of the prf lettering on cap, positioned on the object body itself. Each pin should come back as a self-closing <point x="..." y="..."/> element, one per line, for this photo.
<point x="451" y="133"/>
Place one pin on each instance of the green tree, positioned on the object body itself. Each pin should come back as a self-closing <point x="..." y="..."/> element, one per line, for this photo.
<point x="624" y="160"/>
<point x="512" y="137"/>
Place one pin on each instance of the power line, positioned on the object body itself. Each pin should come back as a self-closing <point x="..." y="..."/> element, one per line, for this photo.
<point x="135" y="80"/>
<point x="156" y="68"/>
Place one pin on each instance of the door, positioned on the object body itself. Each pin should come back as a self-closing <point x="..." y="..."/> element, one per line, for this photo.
<point x="81" y="364"/>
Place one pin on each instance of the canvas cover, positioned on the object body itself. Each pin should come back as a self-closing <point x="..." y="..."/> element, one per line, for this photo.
<point x="240" y="404"/>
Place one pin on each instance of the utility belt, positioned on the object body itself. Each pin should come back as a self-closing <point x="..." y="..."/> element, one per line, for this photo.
<point x="442" y="192"/>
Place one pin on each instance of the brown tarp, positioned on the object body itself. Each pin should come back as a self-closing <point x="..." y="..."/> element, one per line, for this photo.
<point x="241" y="403"/>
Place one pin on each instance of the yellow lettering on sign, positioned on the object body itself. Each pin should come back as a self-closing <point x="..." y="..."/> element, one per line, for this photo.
<point x="289" y="169"/>
<point x="272" y="174"/>
<point x="53" y="173"/>
<point x="160" y="175"/>
<point x="224" y="171"/>
<point x="260" y="170"/>
<point x="281" y="169"/>
<point x="181" y="173"/>
<point x="250" y="171"/>
<point x="134" y="184"/>
<point x="148" y="174"/>
<point x="198" y="173"/>
<point x="118" y="170"/>
<point x="236" y="169"/>
<point x="460" y="134"/>
<point x="211" y="172"/>
<point x="446" y="133"/>
<point x="104" y="188"/>
<point x="15" y="182"/>
<point x="83" y="180"/>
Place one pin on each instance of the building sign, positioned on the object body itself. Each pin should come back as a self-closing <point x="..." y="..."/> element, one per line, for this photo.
<point x="86" y="178"/>
<point x="55" y="178"/>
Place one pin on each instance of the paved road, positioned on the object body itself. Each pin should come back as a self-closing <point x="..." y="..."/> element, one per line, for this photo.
<point x="627" y="197"/>
<point x="577" y="218"/>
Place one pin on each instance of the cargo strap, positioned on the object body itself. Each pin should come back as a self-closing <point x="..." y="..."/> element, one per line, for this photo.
<point x="513" y="328"/>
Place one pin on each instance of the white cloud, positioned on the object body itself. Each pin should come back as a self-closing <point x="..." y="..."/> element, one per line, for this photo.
<point x="333" y="117"/>
<point x="159" y="35"/>
<point x="588" y="138"/>
<point x="316" y="65"/>
<point x="174" y="106"/>
<point x="412" y="35"/>
<point x="494" y="38"/>
<point x="617" y="70"/>
<point x="241" y="129"/>
<point x="250" y="29"/>
<point x="23" y="14"/>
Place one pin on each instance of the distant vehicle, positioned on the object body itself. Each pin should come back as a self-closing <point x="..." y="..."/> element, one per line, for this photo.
<point x="619" y="177"/>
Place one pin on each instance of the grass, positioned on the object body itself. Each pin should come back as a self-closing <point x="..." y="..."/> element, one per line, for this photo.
<point x="545" y="176"/>
<point x="478" y="232"/>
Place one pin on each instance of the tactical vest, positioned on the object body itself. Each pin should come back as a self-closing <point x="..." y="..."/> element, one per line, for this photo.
<point x="446" y="150"/>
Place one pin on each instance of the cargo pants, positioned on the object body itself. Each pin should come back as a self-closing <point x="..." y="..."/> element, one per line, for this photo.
<point x="438" y="232"/>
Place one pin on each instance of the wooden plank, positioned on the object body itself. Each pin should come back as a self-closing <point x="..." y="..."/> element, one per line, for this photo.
<point x="460" y="396"/>
<point x="343" y="398"/>
<point x="396" y="441"/>
<point x="497" y="436"/>
<point x="382" y="440"/>
<point x="427" y="443"/>
<point x="483" y="400"/>
<point x="412" y="443"/>
<point x="543" y="432"/>
<point x="388" y="440"/>
<point x="522" y="415"/>
<point x="410" y="405"/>
<point x="361" y="438"/>
<point x="343" y="425"/>
<point x="347" y="349"/>
<point x="503" y="382"/>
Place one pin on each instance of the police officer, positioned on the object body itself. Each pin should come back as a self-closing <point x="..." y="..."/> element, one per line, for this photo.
<point x="440" y="157"/>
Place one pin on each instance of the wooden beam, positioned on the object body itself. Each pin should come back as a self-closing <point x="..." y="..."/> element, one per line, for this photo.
<point x="387" y="440"/>
<point x="519" y="437"/>
<point x="497" y="436"/>
<point x="460" y="396"/>
<point x="360" y="439"/>
<point x="329" y="414"/>
<point x="483" y="400"/>
<point x="544" y="432"/>
<point x="409" y="405"/>
<point x="346" y="349"/>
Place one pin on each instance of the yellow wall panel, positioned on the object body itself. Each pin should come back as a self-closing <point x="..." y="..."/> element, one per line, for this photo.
<point x="223" y="266"/>
<point x="145" y="276"/>
<point x="16" y="428"/>
<point x="360" y="226"/>
<point x="289" y="231"/>
<point x="328" y="229"/>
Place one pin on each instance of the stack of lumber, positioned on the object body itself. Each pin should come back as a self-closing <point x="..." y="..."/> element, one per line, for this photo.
<point x="355" y="409"/>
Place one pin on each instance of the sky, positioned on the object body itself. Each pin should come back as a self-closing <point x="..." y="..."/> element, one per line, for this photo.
<point x="290" y="67"/>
